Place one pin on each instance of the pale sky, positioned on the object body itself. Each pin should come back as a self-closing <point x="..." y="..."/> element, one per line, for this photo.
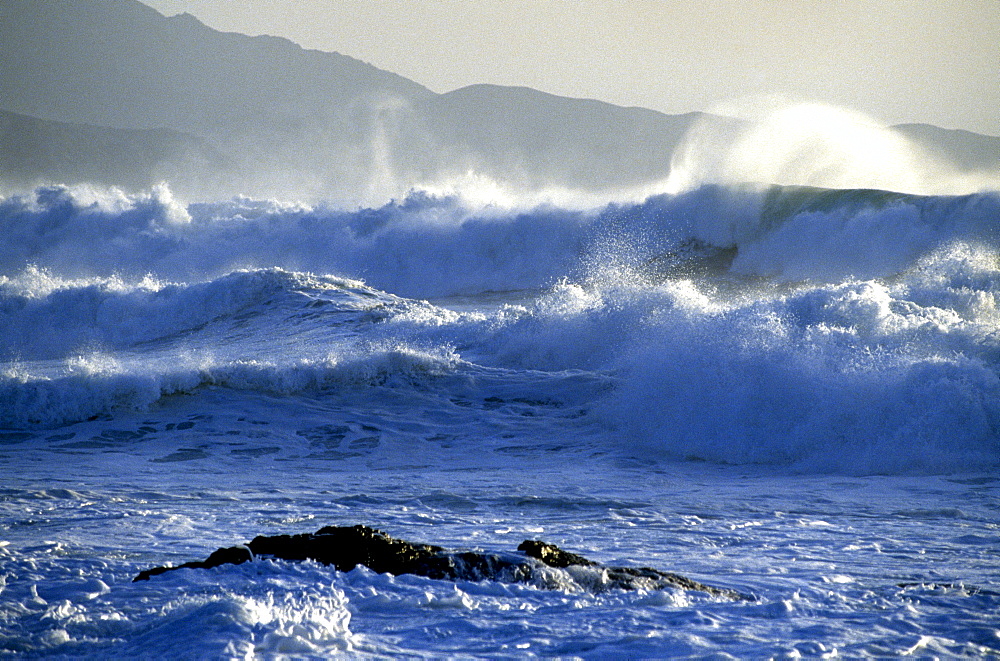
<point x="934" y="61"/>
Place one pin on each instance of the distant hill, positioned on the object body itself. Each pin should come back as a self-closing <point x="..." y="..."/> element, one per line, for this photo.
<point x="121" y="64"/>
<point x="286" y="119"/>
<point x="36" y="151"/>
<point x="111" y="91"/>
<point x="289" y="119"/>
<point x="969" y="151"/>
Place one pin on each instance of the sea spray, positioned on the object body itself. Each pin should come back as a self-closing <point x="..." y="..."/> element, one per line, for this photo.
<point x="776" y="141"/>
<point x="816" y="329"/>
<point x="426" y="246"/>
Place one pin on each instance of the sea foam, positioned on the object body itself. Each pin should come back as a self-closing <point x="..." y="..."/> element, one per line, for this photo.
<point x="812" y="329"/>
<point x="427" y="246"/>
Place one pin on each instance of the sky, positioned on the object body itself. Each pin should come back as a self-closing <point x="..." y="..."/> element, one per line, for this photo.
<point x="933" y="61"/>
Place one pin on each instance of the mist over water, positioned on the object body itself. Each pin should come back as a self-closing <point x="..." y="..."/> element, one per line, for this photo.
<point x="769" y="141"/>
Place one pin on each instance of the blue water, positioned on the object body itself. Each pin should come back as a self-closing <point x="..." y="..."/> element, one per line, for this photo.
<point x="791" y="392"/>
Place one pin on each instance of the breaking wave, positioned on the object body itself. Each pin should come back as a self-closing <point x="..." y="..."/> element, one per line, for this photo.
<point x="822" y="330"/>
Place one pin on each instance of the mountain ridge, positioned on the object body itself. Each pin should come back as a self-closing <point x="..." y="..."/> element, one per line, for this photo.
<point x="261" y="115"/>
<point x="36" y="151"/>
<point x="166" y="72"/>
<point x="968" y="150"/>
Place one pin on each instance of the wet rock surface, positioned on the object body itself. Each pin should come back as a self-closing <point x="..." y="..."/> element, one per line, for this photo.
<point x="347" y="547"/>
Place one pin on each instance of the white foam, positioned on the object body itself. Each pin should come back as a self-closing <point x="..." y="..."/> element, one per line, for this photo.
<point x="871" y="330"/>
<point x="95" y="384"/>
<point x="860" y="377"/>
<point x="438" y="246"/>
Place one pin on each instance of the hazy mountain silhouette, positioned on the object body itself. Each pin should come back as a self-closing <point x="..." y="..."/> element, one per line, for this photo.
<point x="36" y="151"/>
<point x="285" y="117"/>
<point x="122" y="64"/>
<point x="968" y="151"/>
<point x="111" y="91"/>
<point x="290" y="119"/>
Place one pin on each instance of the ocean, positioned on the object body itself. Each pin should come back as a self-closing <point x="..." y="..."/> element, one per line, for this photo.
<point x="787" y="391"/>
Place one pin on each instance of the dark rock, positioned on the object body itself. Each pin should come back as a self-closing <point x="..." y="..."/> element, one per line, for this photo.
<point x="347" y="547"/>
<point x="551" y="554"/>
<point x="233" y="555"/>
<point x="626" y="578"/>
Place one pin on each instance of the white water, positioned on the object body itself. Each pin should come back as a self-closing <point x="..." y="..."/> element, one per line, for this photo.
<point x="815" y="423"/>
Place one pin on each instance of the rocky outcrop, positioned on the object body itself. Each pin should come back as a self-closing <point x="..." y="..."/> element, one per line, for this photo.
<point x="626" y="578"/>
<point x="537" y="562"/>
